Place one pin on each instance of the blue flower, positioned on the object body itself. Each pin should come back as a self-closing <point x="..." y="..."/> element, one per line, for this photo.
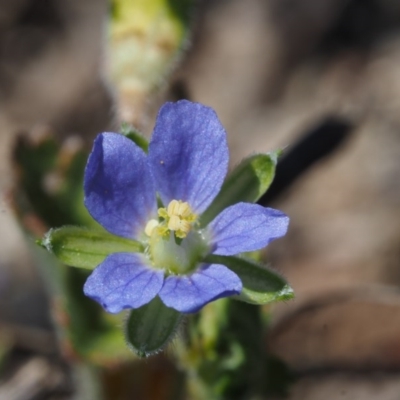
<point x="157" y="199"/>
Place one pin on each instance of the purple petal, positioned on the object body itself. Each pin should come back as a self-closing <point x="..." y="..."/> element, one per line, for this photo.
<point x="122" y="281"/>
<point x="188" y="154"/>
<point x="119" y="190"/>
<point x="189" y="293"/>
<point x="246" y="227"/>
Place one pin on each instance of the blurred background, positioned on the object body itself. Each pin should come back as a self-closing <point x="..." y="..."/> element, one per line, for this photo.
<point x="319" y="78"/>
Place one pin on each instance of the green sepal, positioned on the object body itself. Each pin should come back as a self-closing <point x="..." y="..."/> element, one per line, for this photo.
<point x="151" y="327"/>
<point x="84" y="248"/>
<point x="261" y="285"/>
<point x="133" y="134"/>
<point x="247" y="182"/>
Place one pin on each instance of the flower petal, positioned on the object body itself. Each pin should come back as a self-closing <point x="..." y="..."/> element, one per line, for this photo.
<point x="122" y="281"/>
<point x="188" y="154"/>
<point x="189" y="293"/>
<point x="119" y="190"/>
<point x="246" y="227"/>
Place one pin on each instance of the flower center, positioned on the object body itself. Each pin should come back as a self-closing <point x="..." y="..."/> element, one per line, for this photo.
<point x="177" y="217"/>
<point x="173" y="244"/>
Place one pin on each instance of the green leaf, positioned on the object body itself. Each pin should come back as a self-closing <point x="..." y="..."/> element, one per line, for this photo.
<point x="133" y="134"/>
<point x="151" y="327"/>
<point x="247" y="182"/>
<point x="84" y="248"/>
<point x="261" y="285"/>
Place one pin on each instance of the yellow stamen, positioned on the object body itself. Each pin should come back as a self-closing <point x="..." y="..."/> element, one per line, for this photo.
<point x="153" y="223"/>
<point x="172" y="242"/>
<point x="178" y="217"/>
<point x="162" y="212"/>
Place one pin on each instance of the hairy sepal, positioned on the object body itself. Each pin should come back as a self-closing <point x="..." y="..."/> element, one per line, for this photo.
<point x="261" y="285"/>
<point x="85" y="248"/>
<point x="150" y="328"/>
<point x="247" y="183"/>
